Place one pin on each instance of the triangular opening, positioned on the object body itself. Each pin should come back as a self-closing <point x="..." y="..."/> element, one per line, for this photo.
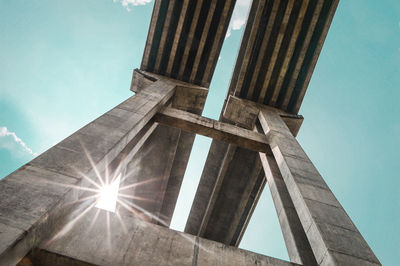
<point x="263" y="234"/>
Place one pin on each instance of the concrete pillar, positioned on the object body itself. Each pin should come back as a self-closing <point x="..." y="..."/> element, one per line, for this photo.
<point x="333" y="237"/>
<point x="35" y="199"/>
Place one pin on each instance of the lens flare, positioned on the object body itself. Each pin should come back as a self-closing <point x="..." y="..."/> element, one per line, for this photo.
<point x="108" y="195"/>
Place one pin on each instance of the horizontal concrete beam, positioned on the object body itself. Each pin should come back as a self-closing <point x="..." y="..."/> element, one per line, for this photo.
<point x="214" y="129"/>
<point x="122" y="239"/>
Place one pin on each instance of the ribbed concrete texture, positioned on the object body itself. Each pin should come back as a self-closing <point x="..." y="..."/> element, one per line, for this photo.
<point x="279" y="50"/>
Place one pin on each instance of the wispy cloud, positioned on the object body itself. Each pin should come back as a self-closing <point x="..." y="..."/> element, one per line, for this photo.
<point x="239" y="16"/>
<point x="4" y="132"/>
<point x="128" y="3"/>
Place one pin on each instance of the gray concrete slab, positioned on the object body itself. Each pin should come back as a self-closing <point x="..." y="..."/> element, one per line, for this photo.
<point x="124" y="239"/>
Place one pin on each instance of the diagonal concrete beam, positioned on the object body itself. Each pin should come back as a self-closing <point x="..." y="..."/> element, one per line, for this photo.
<point x="333" y="237"/>
<point x="35" y="199"/>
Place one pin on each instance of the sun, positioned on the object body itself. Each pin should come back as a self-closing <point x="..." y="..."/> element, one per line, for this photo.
<point x="108" y="195"/>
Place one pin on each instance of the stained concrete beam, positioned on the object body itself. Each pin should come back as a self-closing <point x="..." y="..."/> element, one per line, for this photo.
<point x="131" y="241"/>
<point x="190" y="99"/>
<point x="140" y="80"/>
<point x="214" y="129"/>
<point x="245" y="113"/>
<point x="241" y="112"/>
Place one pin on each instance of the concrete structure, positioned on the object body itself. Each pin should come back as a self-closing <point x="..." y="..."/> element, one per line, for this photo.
<point x="48" y="213"/>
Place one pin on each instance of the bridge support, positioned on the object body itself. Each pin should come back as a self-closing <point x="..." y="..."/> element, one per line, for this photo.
<point x="333" y="237"/>
<point x="36" y="199"/>
<point x="47" y="206"/>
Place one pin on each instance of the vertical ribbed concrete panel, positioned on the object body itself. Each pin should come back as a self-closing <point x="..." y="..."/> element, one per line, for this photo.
<point x="279" y="50"/>
<point x="185" y="38"/>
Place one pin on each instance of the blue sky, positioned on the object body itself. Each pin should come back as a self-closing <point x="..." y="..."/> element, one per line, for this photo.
<point x="63" y="63"/>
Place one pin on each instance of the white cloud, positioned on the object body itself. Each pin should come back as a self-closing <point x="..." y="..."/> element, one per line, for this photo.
<point x="239" y="16"/>
<point x="5" y="133"/>
<point x="128" y="3"/>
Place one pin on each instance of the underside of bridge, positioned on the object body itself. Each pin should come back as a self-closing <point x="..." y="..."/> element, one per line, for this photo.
<point x="145" y="142"/>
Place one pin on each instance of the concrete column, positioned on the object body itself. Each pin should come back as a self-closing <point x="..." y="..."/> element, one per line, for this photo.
<point x="333" y="237"/>
<point x="35" y="199"/>
<point x="159" y="166"/>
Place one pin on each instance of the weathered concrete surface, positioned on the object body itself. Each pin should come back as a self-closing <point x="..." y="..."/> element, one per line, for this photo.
<point x="103" y="238"/>
<point x="245" y="113"/>
<point x="27" y="197"/>
<point x="36" y="197"/>
<point x="160" y="165"/>
<point x="216" y="130"/>
<point x="227" y="194"/>
<point x="333" y="237"/>
<point x="149" y="171"/>
<point x="241" y="112"/>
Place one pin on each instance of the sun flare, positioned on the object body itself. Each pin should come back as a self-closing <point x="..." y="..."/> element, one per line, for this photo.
<point x="108" y="195"/>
